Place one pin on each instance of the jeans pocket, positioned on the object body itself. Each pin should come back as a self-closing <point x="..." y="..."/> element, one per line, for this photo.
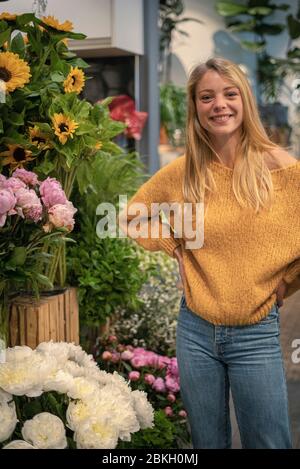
<point x="182" y="302"/>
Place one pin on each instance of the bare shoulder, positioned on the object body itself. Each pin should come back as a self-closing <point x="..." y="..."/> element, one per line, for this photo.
<point x="279" y="158"/>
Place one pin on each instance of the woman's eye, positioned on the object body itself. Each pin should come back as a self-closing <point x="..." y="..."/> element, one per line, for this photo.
<point x="232" y="93"/>
<point x="205" y="98"/>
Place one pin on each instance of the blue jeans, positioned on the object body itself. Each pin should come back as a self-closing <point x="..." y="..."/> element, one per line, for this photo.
<point x="246" y="359"/>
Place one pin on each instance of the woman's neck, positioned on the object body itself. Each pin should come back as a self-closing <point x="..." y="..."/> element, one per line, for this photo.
<point x="225" y="146"/>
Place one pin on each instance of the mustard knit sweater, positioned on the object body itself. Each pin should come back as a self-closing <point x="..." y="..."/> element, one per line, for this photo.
<point x="231" y="279"/>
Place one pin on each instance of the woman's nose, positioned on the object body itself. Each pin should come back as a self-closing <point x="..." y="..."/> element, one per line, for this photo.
<point x="219" y="103"/>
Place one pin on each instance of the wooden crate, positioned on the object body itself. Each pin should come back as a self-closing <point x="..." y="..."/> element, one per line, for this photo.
<point x="50" y="318"/>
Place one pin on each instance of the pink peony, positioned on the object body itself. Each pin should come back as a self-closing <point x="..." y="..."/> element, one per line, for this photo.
<point x="173" y="367"/>
<point x="2" y="180"/>
<point x="14" y="183"/>
<point x="30" y="204"/>
<point x="163" y="362"/>
<point x="7" y="204"/>
<point x="126" y="355"/>
<point x="28" y="177"/>
<point x="138" y="361"/>
<point x="106" y="355"/>
<point x="159" y="385"/>
<point x="182" y="413"/>
<point x="168" y="411"/>
<point x="149" y="379"/>
<point x="112" y="338"/>
<point x="171" y="397"/>
<point x="115" y="358"/>
<point x="172" y="383"/>
<point x="134" y="375"/>
<point x="52" y="193"/>
<point x="62" y="215"/>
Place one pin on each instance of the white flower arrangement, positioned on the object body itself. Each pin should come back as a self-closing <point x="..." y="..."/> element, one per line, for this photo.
<point x="57" y="397"/>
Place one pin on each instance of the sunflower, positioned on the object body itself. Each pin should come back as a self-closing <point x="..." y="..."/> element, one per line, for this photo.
<point x="64" y="127"/>
<point x="98" y="145"/>
<point x="16" y="155"/>
<point x="38" y="138"/>
<point x="7" y="16"/>
<point x="54" y="23"/>
<point x="74" y="81"/>
<point x="14" y="71"/>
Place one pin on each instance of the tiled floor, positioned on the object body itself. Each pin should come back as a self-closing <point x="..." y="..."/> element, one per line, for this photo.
<point x="290" y="330"/>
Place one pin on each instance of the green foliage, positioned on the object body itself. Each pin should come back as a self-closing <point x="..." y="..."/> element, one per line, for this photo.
<point x="173" y="104"/>
<point x="161" y="436"/>
<point x="251" y="17"/>
<point x="107" y="274"/>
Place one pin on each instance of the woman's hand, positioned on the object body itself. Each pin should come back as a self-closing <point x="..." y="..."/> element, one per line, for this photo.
<point x="178" y="256"/>
<point x="280" y="292"/>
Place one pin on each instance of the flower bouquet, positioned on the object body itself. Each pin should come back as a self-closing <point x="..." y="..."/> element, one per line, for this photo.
<point x="56" y="397"/>
<point x="44" y="123"/>
<point x="33" y="214"/>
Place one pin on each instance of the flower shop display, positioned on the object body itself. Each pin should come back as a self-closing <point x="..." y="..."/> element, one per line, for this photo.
<point x="153" y="323"/>
<point x="44" y="123"/>
<point x="158" y="376"/>
<point x="56" y="397"/>
<point x="33" y="214"/>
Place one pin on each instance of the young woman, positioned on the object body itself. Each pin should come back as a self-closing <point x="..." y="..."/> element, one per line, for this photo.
<point x="235" y="282"/>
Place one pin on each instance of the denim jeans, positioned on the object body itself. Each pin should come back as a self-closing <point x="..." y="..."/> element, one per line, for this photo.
<point x="246" y="359"/>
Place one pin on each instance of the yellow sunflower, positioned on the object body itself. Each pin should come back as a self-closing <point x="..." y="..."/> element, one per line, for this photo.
<point x="14" y="71"/>
<point x="74" y="81"/>
<point x="7" y="16"/>
<point x="98" y="145"/>
<point x="55" y="24"/>
<point x="16" y="155"/>
<point x="38" y="138"/>
<point x="64" y="127"/>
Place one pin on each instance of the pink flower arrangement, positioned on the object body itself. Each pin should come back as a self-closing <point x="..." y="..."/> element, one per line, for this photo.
<point x="24" y="195"/>
<point x="156" y="374"/>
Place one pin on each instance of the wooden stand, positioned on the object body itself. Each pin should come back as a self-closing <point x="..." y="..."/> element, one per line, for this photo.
<point x="49" y="318"/>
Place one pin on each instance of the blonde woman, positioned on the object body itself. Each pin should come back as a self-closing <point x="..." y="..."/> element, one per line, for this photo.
<point x="234" y="282"/>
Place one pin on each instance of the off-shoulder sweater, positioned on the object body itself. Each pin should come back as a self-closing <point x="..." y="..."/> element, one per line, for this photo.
<point x="231" y="279"/>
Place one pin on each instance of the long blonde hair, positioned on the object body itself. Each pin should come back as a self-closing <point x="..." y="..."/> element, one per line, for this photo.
<point x="252" y="181"/>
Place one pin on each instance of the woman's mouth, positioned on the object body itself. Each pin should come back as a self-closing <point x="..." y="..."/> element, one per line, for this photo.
<point x="221" y="118"/>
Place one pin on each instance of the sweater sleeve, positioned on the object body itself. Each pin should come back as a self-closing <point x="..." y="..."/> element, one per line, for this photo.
<point x="292" y="271"/>
<point x="145" y="217"/>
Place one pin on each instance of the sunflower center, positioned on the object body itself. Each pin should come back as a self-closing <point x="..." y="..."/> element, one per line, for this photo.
<point x="5" y="74"/>
<point x="19" y="154"/>
<point x="73" y="80"/>
<point x="63" y="127"/>
<point x="38" y="140"/>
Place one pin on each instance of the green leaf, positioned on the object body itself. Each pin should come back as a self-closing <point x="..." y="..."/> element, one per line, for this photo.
<point x="294" y="53"/>
<point x="58" y="77"/>
<point x="230" y="9"/>
<point x="17" y="45"/>
<point x="43" y="280"/>
<point x="18" y="257"/>
<point x="25" y="18"/>
<point x="293" y="26"/>
<point x="5" y="36"/>
<point x="254" y="46"/>
<point x="261" y="11"/>
<point x="16" y="118"/>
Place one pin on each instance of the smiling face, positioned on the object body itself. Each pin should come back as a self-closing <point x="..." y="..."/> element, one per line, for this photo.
<point x="219" y="105"/>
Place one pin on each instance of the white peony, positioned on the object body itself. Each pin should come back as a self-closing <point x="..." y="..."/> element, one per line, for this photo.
<point x="5" y="396"/>
<point x="18" y="353"/>
<point x="18" y="444"/>
<point x="77" y="412"/>
<point x="27" y="375"/>
<point x="73" y="368"/>
<point x="60" y="382"/>
<point x="8" y="420"/>
<point x="96" y="434"/>
<point x="143" y="408"/>
<point x="59" y="350"/>
<point x="45" y="431"/>
<point x="111" y="399"/>
<point x="83" y="388"/>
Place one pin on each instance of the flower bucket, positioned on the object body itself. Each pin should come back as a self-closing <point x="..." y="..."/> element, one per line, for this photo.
<point x="52" y="317"/>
